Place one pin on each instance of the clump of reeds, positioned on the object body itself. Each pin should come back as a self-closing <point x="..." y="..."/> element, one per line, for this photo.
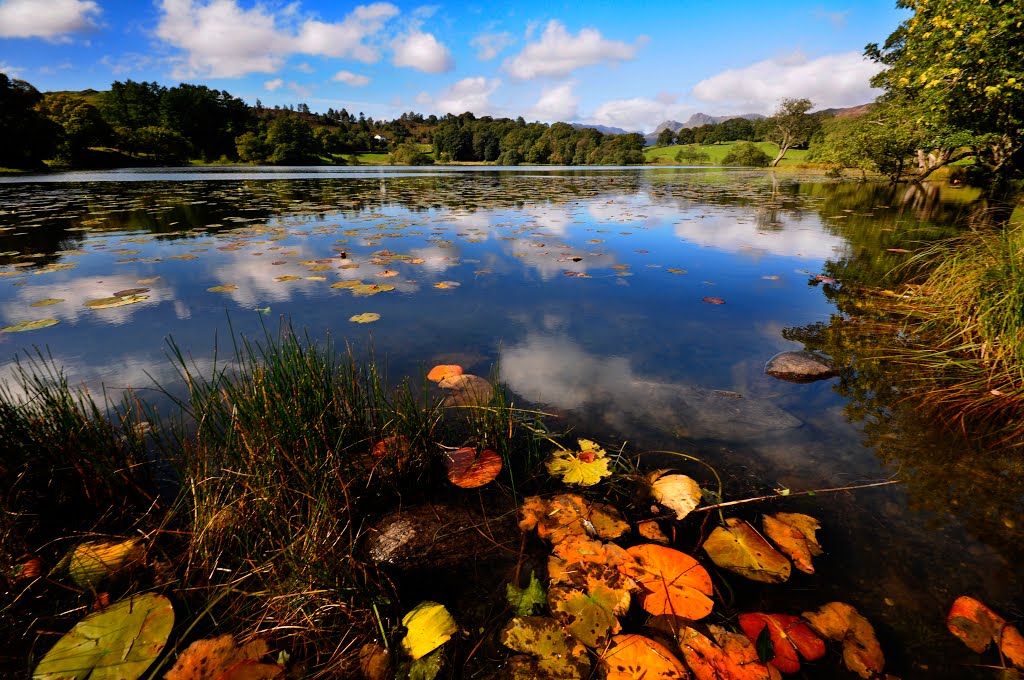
<point x="294" y="445"/>
<point x="969" y="329"/>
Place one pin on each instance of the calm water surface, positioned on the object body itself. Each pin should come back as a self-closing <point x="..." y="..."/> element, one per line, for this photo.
<point x="596" y="292"/>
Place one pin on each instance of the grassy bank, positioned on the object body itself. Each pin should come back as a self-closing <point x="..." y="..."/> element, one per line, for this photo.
<point x="665" y="155"/>
<point x="251" y="500"/>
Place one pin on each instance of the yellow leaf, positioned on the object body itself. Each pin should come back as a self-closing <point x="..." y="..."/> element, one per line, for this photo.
<point x="368" y="317"/>
<point x="794" y="533"/>
<point x="585" y="467"/>
<point x="676" y="492"/>
<point x="739" y="548"/>
<point x="429" y="626"/>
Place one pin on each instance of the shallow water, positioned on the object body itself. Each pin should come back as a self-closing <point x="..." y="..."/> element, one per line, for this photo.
<point x="597" y="292"/>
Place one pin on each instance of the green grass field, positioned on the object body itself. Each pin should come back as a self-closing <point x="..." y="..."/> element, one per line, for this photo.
<point x="665" y="155"/>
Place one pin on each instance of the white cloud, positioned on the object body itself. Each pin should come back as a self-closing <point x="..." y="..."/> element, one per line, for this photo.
<point x="300" y="90"/>
<point x="422" y="52"/>
<point x="349" y="78"/>
<point x="304" y="67"/>
<point x="54" y="20"/>
<point x="14" y="72"/>
<point x="558" y="53"/>
<point x="838" y="19"/>
<point x="469" y="94"/>
<point x="834" y="80"/>
<point x="556" y="103"/>
<point x="488" y="45"/>
<point x="636" y="114"/>
<point x="721" y="230"/>
<point x="222" y="40"/>
<point x="274" y="84"/>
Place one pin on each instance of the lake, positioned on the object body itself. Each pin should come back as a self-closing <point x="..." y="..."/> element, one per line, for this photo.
<point x="638" y="305"/>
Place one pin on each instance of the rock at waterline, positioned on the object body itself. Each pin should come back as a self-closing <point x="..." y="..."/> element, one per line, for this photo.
<point x="440" y="536"/>
<point x="800" y="367"/>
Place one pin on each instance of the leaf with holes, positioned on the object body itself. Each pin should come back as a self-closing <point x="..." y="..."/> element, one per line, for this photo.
<point x="794" y="533"/>
<point x="585" y="467"/>
<point x="788" y="634"/>
<point x="590" y="601"/>
<point x="553" y="653"/>
<point x="568" y="514"/>
<point x="574" y="552"/>
<point x="222" y="659"/>
<point x="738" y="547"/>
<point x="671" y="582"/>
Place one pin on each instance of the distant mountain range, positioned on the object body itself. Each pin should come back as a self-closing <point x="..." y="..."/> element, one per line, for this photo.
<point x="696" y="120"/>
<point x="603" y="129"/>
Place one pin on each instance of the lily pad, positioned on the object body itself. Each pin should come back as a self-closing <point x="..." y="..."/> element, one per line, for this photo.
<point x="47" y="302"/>
<point x="553" y="652"/>
<point x="118" y="643"/>
<point x="222" y="289"/>
<point x="367" y="317"/>
<point x="115" y="301"/>
<point x="31" y="325"/>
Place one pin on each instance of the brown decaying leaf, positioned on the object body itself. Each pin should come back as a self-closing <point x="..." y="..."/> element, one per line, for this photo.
<point x="575" y="552"/>
<point x="977" y="625"/>
<point x="794" y="534"/>
<point x="789" y="635"/>
<point x="220" y="659"/>
<point x="729" y="656"/>
<point x="650" y="530"/>
<point x="841" y="622"/>
<point x="740" y="548"/>
<point x="714" y="300"/>
<point x="553" y="652"/>
<point x="570" y="514"/>
<point x="632" y="657"/>
<point x="589" y="603"/>
<point x="468" y="470"/>
<point x="671" y="582"/>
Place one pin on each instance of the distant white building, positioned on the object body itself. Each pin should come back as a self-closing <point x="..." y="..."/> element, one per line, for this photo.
<point x="380" y="139"/>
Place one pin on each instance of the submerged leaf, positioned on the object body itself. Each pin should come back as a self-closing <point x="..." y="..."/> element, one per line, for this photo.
<point x="676" y="492"/>
<point x="524" y="600"/>
<point x="554" y="653"/>
<point x="118" y="643"/>
<point x="794" y="533"/>
<point x="635" y="656"/>
<point x="429" y="626"/>
<point x="469" y="470"/>
<point x="220" y="658"/>
<point x="671" y="581"/>
<point x="739" y="548"/>
<point x="841" y="622"/>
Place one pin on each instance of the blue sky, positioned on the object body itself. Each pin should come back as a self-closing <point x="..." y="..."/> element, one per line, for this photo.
<point x="623" y="64"/>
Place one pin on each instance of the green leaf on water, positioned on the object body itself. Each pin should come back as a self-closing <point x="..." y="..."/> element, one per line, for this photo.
<point x="31" y="325"/>
<point x="47" y="302"/>
<point x="524" y="600"/>
<point x="118" y="643"/>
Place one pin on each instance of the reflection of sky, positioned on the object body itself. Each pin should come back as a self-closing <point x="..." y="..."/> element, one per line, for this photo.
<point x="726" y="230"/>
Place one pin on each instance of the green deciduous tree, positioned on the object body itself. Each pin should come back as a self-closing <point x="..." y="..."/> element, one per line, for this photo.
<point x="26" y="135"/>
<point x="81" y="126"/>
<point x="958" y="65"/>
<point x="666" y="137"/>
<point x="790" y="126"/>
<point x="747" y="154"/>
<point x="883" y="140"/>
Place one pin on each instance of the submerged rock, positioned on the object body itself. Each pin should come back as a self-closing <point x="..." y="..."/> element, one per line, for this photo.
<point x="800" y="367"/>
<point x="440" y="536"/>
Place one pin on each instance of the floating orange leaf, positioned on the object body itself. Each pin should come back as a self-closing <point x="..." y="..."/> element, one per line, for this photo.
<point x="977" y="626"/>
<point x="671" y="582"/>
<point x="650" y="530"/>
<point x="739" y="548"/>
<point x="841" y="622"/>
<point x="442" y="371"/>
<point x="568" y="514"/>
<point x="573" y="551"/>
<point x="1011" y="644"/>
<point x="469" y="470"/>
<point x="589" y="603"/>
<point x="794" y="533"/>
<point x="714" y="300"/>
<point x="732" y="657"/>
<point x="789" y="635"/>
<point x="632" y="657"/>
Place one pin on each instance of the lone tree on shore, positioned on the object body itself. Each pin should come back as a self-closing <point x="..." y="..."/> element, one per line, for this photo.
<point x="790" y="126"/>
